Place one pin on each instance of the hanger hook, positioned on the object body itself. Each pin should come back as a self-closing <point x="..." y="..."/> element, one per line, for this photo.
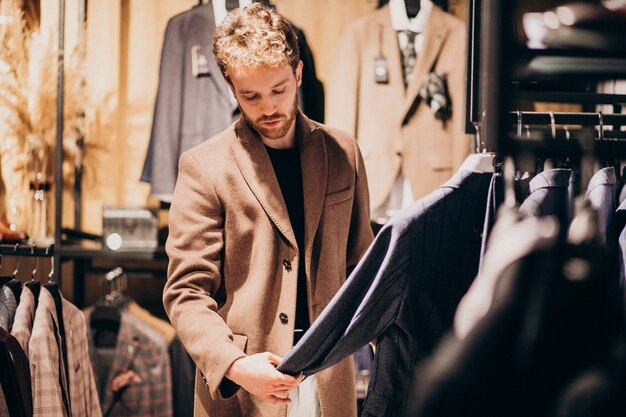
<point x="477" y="145"/>
<point x="519" y="123"/>
<point x="17" y="263"/>
<point x="552" y="124"/>
<point x="601" y="124"/>
<point x="567" y="135"/>
<point x="34" y="272"/>
<point x="51" y="273"/>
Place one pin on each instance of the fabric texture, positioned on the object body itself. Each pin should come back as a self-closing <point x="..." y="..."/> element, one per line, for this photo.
<point x="513" y="361"/>
<point x="183" y="377"/>
<point x="601" y="195"/>
<point x="53" y="394"/>
<point x="495" y="198"/>
<point x="8" y="305"/>
<point x="234" y="259"/>
<point x="15" y="379"/>
<point x="143" y="351"/>
<point x="549" y="195"/>
<point x="24" y="318"/>
<point x="397" y="132"/>
<point x="403" y="293"/>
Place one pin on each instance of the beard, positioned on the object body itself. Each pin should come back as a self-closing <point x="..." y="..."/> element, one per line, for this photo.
<point x="276" y="132"/>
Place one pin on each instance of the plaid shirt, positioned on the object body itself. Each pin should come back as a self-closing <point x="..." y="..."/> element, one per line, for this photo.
<point x="24" y="317"/>
<point x="22" y="326"/>
<point x="143" y="351"/>
<point x="50" y="387"/>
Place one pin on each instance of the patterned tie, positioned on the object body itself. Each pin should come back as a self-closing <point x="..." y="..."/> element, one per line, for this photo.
<point x="409" y="56"/>
<point x="232" y="4"/>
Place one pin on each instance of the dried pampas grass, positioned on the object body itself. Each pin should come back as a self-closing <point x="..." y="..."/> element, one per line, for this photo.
<point x="28" y="102"/>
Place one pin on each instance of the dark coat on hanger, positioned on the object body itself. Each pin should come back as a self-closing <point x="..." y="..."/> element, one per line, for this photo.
<point x="188" y="109"/>
<point x="403" y="293"/>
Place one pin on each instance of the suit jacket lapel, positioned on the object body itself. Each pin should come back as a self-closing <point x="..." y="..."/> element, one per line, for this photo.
<point x="314" y="163"/>
<point x="391" y="50"/>
<point x="435" y="35"/>
<point x="256" y="168"/>
<point x="205" y="32"/>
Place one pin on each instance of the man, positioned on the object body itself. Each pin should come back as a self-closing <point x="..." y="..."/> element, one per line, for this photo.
<point x="265" y="221"/>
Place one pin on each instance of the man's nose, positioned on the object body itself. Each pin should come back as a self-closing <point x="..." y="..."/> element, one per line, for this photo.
<point x="268" y="107"/>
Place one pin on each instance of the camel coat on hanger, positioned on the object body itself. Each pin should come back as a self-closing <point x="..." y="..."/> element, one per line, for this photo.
<point x="396" y="130"/>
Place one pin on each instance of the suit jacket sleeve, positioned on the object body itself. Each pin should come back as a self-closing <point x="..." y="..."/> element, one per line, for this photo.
<point x="367" y="304"/>
<point x="161" y="161"/>
<point x="343" y="82"/>
<point x="194" y="248"/>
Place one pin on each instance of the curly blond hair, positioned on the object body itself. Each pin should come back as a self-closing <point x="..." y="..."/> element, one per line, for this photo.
<point x="254" y="36"/>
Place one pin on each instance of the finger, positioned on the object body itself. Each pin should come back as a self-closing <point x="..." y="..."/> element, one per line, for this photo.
<point x="274" y="359"/>
<point x="282" y="393"/>
<point x="278" y="400"/>
<point x="280" y="386"/>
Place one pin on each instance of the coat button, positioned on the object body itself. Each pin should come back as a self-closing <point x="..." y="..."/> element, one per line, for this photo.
<point x="287" y="264"/>
<point x="283" y="318"/>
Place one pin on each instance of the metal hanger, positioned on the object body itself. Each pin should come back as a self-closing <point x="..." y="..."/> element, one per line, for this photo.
<point x="33" y="285"/>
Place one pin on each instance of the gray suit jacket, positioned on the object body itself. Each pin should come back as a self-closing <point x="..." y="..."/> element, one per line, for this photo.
<point x="403" y="292"/>
<point x="549" y="196"/>
<point x="189" y="109"/>
<point x="601" y="195"/>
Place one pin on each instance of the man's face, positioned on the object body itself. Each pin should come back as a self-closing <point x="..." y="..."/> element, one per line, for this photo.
<point x="268" y="97"/>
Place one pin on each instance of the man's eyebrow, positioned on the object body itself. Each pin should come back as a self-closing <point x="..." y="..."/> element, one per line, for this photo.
<point x="279" y="84"/>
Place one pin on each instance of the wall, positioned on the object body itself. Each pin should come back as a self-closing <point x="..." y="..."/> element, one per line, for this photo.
<point x="123" y="39"/>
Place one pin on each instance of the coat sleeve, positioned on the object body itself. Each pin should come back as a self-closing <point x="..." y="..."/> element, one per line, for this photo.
<point x="342" y="96"/>
<point x="194" y="247"/>
<point x="161" y="161"/>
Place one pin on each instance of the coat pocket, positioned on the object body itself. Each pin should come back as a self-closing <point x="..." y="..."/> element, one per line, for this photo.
<point x="338" y="196"/>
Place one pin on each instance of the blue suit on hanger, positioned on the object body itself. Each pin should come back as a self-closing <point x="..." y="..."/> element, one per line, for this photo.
<point x="403" y="293"/>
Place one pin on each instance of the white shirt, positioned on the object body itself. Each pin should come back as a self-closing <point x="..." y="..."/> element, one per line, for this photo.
<point x="400" y="21"/>
<point x="220" y="12"/>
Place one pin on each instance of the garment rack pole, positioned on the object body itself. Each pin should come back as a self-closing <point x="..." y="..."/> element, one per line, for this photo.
<point x="58" y="164"/>
<point x="567" y="118"/>
<point x="494" y="70"/>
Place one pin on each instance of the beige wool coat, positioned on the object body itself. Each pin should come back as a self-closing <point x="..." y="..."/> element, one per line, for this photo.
<point x="233" y="270"/>
<point x="393" y="135"/>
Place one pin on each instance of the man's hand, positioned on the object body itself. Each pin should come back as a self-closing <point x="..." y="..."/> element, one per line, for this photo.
<point x="257" y="375"/>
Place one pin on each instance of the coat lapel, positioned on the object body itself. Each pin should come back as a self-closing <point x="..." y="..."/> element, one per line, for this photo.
<point x="314" y="163"/>
<point x="435" y="35"/>
<point x="256" y="168"/>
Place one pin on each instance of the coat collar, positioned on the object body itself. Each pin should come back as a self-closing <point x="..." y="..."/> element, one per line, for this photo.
<point x="255" y="166"/>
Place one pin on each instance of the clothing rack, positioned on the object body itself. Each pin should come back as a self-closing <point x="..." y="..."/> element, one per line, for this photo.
<point x="499" y="57"/>
<point x="27" y="250"/>
<point x="567" y="118"/>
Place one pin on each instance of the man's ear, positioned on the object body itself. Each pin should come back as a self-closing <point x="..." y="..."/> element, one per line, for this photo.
<point x="299" y="74"/>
